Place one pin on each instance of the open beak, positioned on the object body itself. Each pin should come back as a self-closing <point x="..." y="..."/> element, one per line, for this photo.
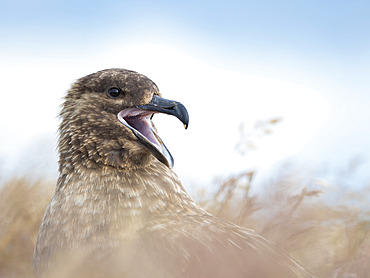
<point x="139" y="120"/>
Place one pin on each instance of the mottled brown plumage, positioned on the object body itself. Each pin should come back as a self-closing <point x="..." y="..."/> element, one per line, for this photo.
<point x="118" y="209"/>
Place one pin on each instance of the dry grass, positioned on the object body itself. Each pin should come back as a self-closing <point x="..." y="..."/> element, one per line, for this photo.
<point x="327" y="229"/>
<point x="22" y="205"/>
<point x="330" y="240"/>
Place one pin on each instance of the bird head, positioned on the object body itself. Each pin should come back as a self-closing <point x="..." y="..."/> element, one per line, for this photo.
<point x="107" y="121"/>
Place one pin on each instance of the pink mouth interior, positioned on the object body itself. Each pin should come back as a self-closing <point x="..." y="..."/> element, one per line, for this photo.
<point x="144" y="126"/>
<point x="140" y="121"/>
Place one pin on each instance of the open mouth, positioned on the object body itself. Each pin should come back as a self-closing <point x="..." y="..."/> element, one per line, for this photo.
<point x="139" y="120"/>
<point x="140" y="123"/>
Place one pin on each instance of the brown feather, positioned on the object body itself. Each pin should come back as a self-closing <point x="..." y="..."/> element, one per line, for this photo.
<point x="119" y="212"/>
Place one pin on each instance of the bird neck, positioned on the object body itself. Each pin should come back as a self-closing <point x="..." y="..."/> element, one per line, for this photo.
<point x="142" y="192"/>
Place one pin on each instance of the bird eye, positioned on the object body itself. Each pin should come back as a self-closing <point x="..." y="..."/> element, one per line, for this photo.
<point x="114" y="92"/>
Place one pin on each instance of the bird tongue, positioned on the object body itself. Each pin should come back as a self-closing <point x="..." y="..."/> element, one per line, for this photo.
<point x="144" y="126"/>
<point x="139" y="122"/>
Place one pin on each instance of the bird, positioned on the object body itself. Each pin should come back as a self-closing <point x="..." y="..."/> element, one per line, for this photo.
<point x="119" y="210"/>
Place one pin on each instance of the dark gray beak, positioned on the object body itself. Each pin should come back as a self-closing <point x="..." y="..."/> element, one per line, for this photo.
<point x="166" y="106"/>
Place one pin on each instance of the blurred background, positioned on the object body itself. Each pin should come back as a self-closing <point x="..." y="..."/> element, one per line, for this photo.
<point x="277" y="92"/>
<point x="232" y="64"/>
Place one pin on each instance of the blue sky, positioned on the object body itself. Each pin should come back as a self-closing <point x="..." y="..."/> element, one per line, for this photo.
<point x="312" y="52"/>
<point x="312" y="28"/>
<point x="320" y="39"/>
<point x="319" y="36"/>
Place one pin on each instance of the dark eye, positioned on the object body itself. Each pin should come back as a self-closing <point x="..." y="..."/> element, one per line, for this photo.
<point x="114" y="92"/>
